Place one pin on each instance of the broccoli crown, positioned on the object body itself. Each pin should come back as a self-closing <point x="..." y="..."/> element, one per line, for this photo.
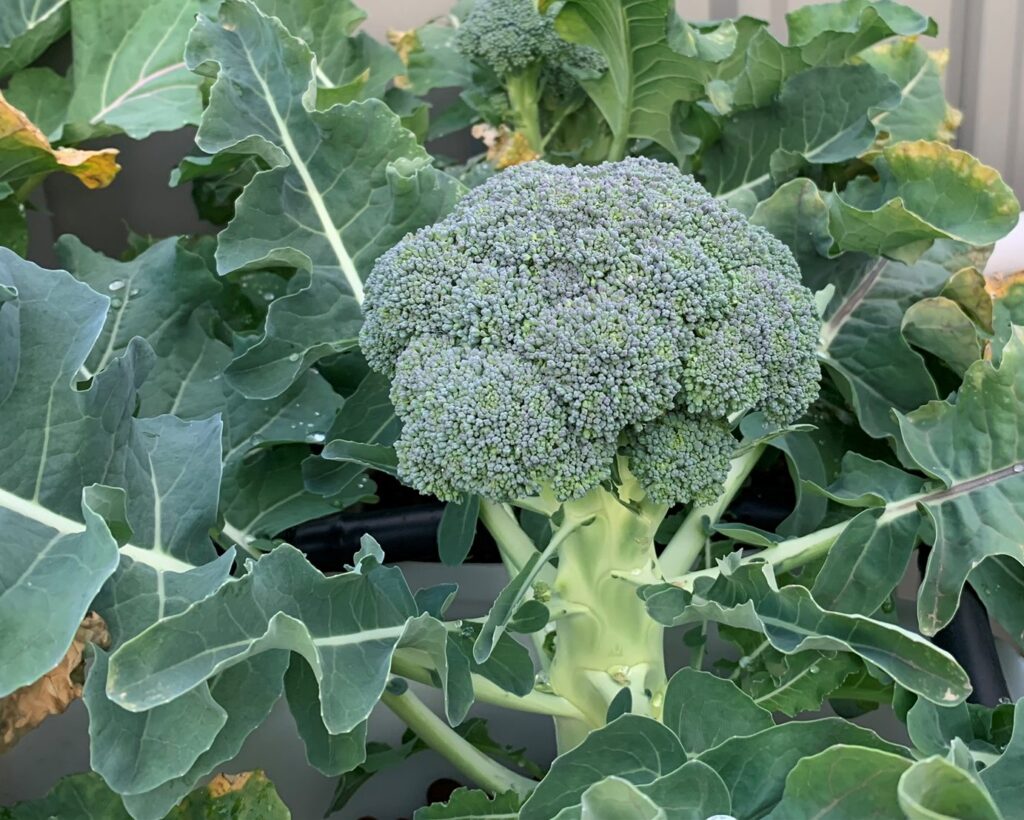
<point x="560" y="315"/>
<point x="511" y="35"/>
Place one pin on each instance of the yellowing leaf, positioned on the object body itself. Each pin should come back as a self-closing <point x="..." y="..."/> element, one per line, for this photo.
<point x="27" y="707"/>
<point x="25" y="152"/>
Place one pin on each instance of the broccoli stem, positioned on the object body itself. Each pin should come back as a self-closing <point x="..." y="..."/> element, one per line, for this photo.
<point x="462" y="754"/>
<point x="486" y="691"/>
<point x="783" y="557"/>
<point x="523" y="89"/>
<point x="687" y="544"/>
<point x="607" y="641"/>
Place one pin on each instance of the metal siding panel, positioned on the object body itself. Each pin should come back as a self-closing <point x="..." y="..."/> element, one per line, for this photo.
<point x="988" y="91"/>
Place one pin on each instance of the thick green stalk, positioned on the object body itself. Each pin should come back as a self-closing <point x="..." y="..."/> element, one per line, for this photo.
<point x="687" y="543"/>
<point x="609" y="641"/>
<point x="485" y="691"/>
<point x="462" y="754"/>
<point x="524" y="96"/>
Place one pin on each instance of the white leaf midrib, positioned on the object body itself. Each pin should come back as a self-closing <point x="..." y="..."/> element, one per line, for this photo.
<point x="331" y="233"/>
<point x="41" y="514"/>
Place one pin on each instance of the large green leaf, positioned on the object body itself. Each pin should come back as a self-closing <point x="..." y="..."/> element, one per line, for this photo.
<point x="246" y="693"/>
<point x="347" y="627"/>
<point x="923" y="113"/>
<point x="1002" y="778"/>
<point x="755" y="767"/>
<point x="330" y="754"/>
<point x="822" y="115"/>
<point x="885" y="374"/>
<point x="924" y="191"/>
<point x="152" y="296"/>
<point x="636" y="748"/>
<point x="975" y="447"/>
<point x="27" y="27"/>
<point x="870" y="556"/>
<point x="936" y="789"/>
<point x="262" y="493"/>
<point x="725" y="710"/>
<point x="303" y="327"/>
<point x="746" y="596"/>
<point x="645" y="79"/>
<point x="136" y="753"/>
<point x="344" y="57"/>
<point x="832" y="33"/>
<point x="56" y="442"/>
<point x="344" y="185"/>
<point x="129" y="72"/>
<point x="842" y="783"/>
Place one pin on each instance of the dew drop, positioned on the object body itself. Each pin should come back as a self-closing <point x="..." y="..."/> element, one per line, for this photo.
<point x="268" y="297"/>
<point x="1018" y="468"/>
<point x="316" y="438"/>
<point x="294" y="357"/>
<point x="116" y="285"/>
<point x="116" y="303"/>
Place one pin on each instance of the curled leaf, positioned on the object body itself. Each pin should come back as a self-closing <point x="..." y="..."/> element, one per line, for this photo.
<point x="27" y="707"/>
<point x="25" y="152"/>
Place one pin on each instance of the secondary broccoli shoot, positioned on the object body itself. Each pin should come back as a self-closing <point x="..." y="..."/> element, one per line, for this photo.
<point x="560" y="317"/>
<point x="520" y="45"/>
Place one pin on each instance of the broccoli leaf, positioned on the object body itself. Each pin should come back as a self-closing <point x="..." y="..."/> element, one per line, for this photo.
<point x="632" y="746"/>
<point x="646" y="77"/>
<point x="870" y="305"/>
<point x="791" y="620"/>
<point x="923" y="113"/>
<point x="280" y="603"/>
<point x="343" y="55"/>
<point x="755" y="767"/>
<point x="344" y="184"/>
<point x="975" y="448"/>
<point x="128" y="72"/>
<point x="725" y="710"/>
<point x="56" y="550"/>
<point x="822" y="115"/>
<point x="832" y="33"/>
<point x="925" y="191"/>
<point x="26" y="29"/>
<point x="26" y="153"/>
<point x="472" y="803"/>
<point x="845" y="781"/>
<point x="937" y="788"/>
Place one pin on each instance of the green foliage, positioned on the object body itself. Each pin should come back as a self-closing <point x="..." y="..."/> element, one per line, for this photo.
<point x="578" y="359"/>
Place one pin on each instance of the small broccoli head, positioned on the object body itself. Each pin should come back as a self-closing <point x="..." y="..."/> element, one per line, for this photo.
<point x="509" y="36"/>
<point x="560" y="316"/>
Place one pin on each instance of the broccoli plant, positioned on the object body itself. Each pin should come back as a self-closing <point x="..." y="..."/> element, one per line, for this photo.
<point x="518" y="44"/>
<point x="581" y="343"/>
<point x="717" y="370"/>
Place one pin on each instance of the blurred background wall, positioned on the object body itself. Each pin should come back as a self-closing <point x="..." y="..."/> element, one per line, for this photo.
<point x="985" y="78"/>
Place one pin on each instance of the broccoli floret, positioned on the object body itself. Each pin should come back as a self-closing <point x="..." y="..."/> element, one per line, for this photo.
<point x="520" y="45"/>
<point x="560" y="316"/>
<point x="507" y="35"/>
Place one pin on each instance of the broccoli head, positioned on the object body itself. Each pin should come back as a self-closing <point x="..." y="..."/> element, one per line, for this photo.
<point x="511" y="35"/>
<point x="559" y="317"/>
